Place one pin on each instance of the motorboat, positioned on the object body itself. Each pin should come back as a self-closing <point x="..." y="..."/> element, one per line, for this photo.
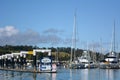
<point x="85" y="59"/>
<point x="46" y="64"/>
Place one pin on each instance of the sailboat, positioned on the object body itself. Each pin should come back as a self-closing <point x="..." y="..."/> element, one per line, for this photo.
<point x="82" y="62"/>
<point x="111" y="61"/>
<point x="74" y="64"/>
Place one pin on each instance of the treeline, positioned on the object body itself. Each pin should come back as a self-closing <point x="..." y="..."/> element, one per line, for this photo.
<point x="59" y="53"/>
<point x="9" y="49"/>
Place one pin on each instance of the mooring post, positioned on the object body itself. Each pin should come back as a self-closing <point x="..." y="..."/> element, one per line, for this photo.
<point x="0" y="61"/>
<point x="3" y="61"/>
<point x="17" y="62"/>
<point x="24" y="60"/>
<point x="34" y="60"/>
<point x="21" y="61"/>
<point x="13" y="62"/>
<point x="6" y="62"/>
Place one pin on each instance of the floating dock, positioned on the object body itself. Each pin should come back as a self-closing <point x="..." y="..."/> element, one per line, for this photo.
<point x="27" y="71"/>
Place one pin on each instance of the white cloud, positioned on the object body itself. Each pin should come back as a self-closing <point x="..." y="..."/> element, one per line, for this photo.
<point x="9" y="35"/>
<point x="8" y="31"/>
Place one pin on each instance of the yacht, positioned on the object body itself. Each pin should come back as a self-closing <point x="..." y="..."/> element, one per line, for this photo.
<point x="111" y="61"/>
<point x="85" y="59"/>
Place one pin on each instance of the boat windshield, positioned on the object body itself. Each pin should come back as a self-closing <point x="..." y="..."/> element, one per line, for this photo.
<point x="111" y="57"/>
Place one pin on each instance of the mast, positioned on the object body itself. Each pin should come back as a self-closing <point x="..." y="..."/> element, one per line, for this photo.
<point x="113" y="39"/>
<point x="73" y="48"/>
<point x="74" y="35"/>
<point x="101" y="57"/>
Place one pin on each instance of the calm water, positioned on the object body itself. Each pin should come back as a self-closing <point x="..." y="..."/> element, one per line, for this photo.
<point x="64" y="74"/>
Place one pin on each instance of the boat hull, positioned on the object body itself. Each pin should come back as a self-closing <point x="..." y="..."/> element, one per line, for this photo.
<point x="109" y="66"/>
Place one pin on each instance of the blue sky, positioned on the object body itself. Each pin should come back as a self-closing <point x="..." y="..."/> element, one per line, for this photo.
<point x="50" y="22"/>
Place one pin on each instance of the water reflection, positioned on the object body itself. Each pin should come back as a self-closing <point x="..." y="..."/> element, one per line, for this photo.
<point x="64" y="74"/>
<point x="110" y="74"/>
<point x="34" y="76"/>
<point x="79" y="74"/>
<point x="53" y="76"/>
<point x="70" y="74"/>
<point x="85" y="74"/>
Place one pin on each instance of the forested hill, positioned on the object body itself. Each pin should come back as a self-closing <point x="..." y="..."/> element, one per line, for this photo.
<point x="64" y="52"/>
<point x="8" y="48"/>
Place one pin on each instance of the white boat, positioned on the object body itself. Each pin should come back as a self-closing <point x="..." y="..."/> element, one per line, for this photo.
<point x="111" y="61"/>
<point x="85" y="59"/>
<point x="111" y="57"/>
<point x="46" y="65"/>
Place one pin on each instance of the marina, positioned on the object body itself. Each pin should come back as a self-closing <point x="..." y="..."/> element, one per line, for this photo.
<point x="60" y="40"/>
